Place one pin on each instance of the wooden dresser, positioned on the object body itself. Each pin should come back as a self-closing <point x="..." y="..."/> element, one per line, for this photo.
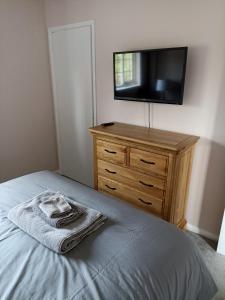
<point x="149" y="168"/>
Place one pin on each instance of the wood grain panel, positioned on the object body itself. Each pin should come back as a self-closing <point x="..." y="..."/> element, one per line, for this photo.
<point x="163" y="139"/>
<point x="111" y="152"/>
<point x="144" y="183"/>
<point x="143" y="200"/>
<point x="181" y="185"/>
<point x="148" y="162"/>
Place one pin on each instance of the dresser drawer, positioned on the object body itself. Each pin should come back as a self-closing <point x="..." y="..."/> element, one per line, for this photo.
<point x="132" y="195"/>
<point x="144" y="183"/>
<point x="111" y="152"/>
<point x="149" y="162"/>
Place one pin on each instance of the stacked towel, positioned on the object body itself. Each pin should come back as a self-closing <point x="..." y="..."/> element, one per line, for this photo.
<point x="56" y="209"/>
<point x="60" y="240"/>
<point x="54" y="205"/>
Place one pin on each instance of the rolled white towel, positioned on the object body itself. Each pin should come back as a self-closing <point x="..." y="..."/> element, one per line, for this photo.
<point x="55" y="205"/>
<point x="57" y="220"/>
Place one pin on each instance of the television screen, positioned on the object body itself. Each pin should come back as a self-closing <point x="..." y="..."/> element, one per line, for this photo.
<point x="155" y="75"/>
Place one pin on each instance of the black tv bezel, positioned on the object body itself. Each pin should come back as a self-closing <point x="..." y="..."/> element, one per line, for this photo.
<point x="151" y="100"/>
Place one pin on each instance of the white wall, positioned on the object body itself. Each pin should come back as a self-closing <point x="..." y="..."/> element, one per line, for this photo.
<point x="27" y="132"/>
<point x="136" y="24"/>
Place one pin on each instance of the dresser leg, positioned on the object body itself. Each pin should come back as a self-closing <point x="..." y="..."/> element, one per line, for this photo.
<point x="182" y="224"/>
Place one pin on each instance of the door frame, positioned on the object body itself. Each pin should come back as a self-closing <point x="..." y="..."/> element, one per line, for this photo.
<point x="51" y="31"/>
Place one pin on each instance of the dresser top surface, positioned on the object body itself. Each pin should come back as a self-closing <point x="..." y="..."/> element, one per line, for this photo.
<point x="155" y="137"/>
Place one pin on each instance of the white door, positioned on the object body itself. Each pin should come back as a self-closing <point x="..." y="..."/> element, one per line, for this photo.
<point x="72" y="64"/>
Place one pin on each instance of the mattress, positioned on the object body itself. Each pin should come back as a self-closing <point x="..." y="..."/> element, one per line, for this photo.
<point x="133" y="256"/>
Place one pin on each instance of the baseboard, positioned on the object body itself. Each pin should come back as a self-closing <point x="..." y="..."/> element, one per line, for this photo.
<point x="202" y="232"/>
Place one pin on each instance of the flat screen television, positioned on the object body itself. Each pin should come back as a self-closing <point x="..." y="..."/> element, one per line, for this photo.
<point x="155" y="75"/>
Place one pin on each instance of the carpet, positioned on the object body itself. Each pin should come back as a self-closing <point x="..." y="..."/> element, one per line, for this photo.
<point x="214" y="261"/>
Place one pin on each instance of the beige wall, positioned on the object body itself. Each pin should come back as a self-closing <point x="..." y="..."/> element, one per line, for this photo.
<point x="135" y="24"/>
<point x="27" y="133"/>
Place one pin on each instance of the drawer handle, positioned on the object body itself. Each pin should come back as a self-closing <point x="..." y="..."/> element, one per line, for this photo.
<point x="110" y="187"/>
<point x="147" y="162"/>
<point x="146" y="184"/>
<point x="111" y="172"/>
<point x="145" y="202"/>
<point x="111" y="152"/>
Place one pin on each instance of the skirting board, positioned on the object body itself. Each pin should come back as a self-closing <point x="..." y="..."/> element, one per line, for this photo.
<point x="202" y="232"/>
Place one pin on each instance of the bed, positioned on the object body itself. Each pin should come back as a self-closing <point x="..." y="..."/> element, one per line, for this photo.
<point x="133" y="256"/>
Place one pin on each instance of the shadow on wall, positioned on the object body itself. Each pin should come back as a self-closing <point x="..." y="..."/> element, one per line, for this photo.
<point x="196" y="75"/>
<point x="213" y="203"/>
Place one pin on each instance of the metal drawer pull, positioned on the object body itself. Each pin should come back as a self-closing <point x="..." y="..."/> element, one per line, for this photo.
<point x="110" y="187"/>
<point x="147" y="162"/>
<point x="111" y="152"/>
<point x="148" y="203"/>
<point x="149" y="185"/>
<point x="111" y="172"/>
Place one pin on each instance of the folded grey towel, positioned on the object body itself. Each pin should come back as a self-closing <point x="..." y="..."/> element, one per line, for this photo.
<point x="74" y="213"/>
<point x="54" y="205"/>
<point x="60" y="240"/>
